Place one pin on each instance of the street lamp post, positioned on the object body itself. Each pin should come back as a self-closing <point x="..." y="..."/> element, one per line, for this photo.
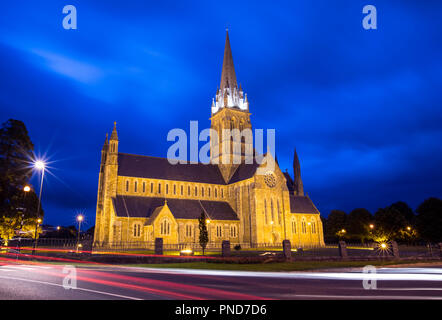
<point x="37" y="222"/>
<point x="39" y="165"/>
<point x="26" y="189"/>
<point x="208" y="230"/>
<point x="79" y="219"/>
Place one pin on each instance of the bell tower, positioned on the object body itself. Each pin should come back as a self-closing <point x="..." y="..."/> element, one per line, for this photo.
<point x="230" y="120"/>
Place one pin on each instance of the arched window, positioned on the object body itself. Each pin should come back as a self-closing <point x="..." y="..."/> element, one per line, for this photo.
<point x="136" y="186"/>
<point x="271" y="208"/>
<point x="279" y="212"/>
<point x="202" y="191"/>
<point x="174" y="189"/>
<point x="127" y="185"/>
<point x="208" y="191"/>
<point x="293" y="226"/>
<point x="137" y="230"/>
<point x="182" y="190"/>
<point x="167" y="188"/>
<point x="265" y="211"/>
<point x="196" y="191"/>
<point x="188" y="190"/>
<point x="189" y="230"/>
<point x="216" y="193"/>
<point x="144" y="186"/>
<point x="222" y="193"/>
<point x="159" y="187"/>
<point x="233" y="231"/>
<point x="151" y="187"/>
<point x="303" y="226"/>
<point x="165" y="227"/>
<point x="219" y="231"/>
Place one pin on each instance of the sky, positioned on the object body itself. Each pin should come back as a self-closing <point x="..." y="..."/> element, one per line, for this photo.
<point x="362" y="107"/>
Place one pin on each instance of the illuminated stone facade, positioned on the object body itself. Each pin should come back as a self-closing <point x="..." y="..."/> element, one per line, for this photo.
<point x="141" y="198"/>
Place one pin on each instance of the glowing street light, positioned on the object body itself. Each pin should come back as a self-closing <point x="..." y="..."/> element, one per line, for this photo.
<point x="408" y="228"/>
<point x="58" y="228"/>
<point x="39" y="165"/>
<point x="343" y="231"/>
<point x="27" y="189"/>
<point x="371" y="226"/>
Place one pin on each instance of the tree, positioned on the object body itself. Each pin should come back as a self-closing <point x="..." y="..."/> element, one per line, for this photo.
<point x="406" y="211"/>
<point x="358" y="224"/>
<point x="336" y="221"/>
<point x="429" y="220"/>
<point x="16" y="150"/>
<point x="22" y="220"/>
<point x="204" y="235"/>
<point x="389" y="223"/>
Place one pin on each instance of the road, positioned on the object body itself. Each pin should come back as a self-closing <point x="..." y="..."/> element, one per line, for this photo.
<point x="48" y="281"/>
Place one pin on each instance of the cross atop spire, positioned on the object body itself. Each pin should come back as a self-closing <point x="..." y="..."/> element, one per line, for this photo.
<point x="228" y="77"/>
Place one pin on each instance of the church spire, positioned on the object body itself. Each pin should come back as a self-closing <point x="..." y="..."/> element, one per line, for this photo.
<point x="299" y="188"/>
<point x="228" y="76"/>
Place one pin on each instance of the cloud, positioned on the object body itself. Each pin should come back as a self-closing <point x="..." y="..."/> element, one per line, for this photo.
<point x="74" y="69"/>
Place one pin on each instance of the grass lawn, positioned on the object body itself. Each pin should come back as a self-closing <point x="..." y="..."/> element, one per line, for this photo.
<point x="277" y="266"/>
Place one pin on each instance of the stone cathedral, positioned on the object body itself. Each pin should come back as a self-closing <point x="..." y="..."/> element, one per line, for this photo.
<point x="141" y="198"/>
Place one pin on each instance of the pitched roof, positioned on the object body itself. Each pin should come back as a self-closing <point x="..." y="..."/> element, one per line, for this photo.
<point x="289" y="182"/>
<point x="131" y="165"/>
<point x="144" y="207"/>
<point x="244" y="171"/>
<point x="302" y="204"/>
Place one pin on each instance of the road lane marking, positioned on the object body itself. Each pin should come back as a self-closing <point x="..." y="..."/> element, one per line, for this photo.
<point x="305" y="275"/>
<point x="362" y="297"/>
<point x="411" y="289"/>
<point x="81" y="289"/>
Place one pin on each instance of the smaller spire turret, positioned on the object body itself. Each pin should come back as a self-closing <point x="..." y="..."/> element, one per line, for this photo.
<point x="113" y="142"/>
<point x="106" y="142"/>
<point x="114" y="135"/>
<point x="299" y="187"/>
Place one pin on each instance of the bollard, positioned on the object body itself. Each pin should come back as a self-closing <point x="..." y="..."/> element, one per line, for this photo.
<point x="159" y="246"/>
<point x="395" y="249"/>
<point x="287" y="249"/>
<point x="343" y="250"/>
<point x="226" y="248"/>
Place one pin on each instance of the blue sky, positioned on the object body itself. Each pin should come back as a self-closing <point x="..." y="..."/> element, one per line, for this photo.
<point x="363" y="108"/>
